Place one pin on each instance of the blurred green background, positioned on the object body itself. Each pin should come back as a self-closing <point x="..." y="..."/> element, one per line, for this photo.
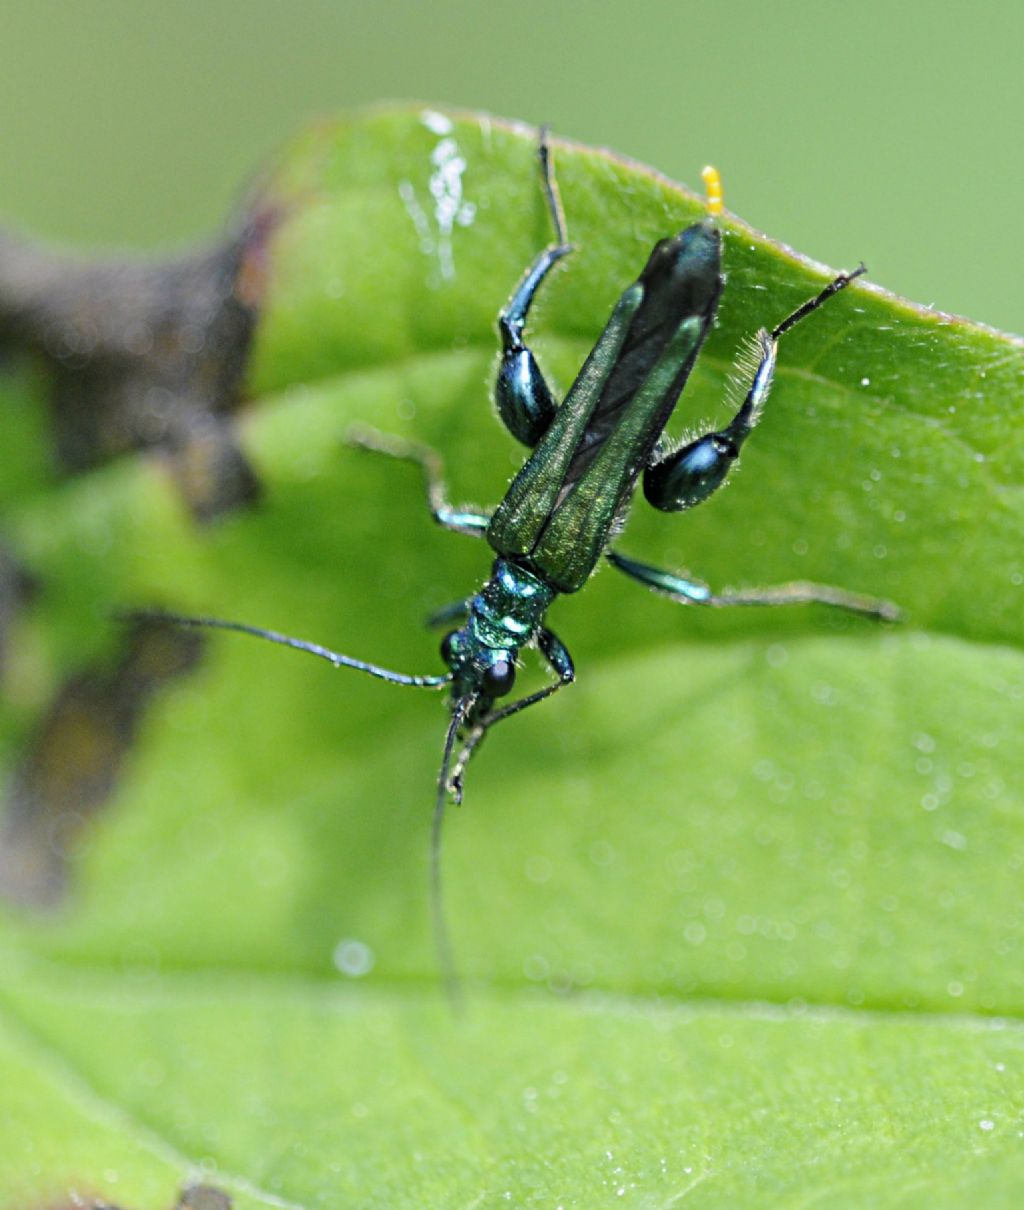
<point x="851" y="131"/>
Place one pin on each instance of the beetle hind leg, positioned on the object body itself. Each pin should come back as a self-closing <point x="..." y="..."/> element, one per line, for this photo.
<point x="688" y="476"/>
<point x="524" y="400"/>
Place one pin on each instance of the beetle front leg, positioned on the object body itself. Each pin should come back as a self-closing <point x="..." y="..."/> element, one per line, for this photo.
<point x="798" y="592"/>
<point x="454" y="612"/>
<point x="559" y="660"/>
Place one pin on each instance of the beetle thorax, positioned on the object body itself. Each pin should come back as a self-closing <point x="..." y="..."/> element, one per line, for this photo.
<point x="510" y="607"/>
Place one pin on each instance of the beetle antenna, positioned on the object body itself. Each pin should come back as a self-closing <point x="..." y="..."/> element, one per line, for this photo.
<point x="442" y="938"/>
<point x="272" y="636"/>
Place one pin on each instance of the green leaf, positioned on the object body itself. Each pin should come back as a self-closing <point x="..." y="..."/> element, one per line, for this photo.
<point x="740" y="914"/>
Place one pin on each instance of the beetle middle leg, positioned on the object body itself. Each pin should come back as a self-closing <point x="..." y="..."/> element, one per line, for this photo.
<point x="798" y="592"/>
<point x="432" y="465"/>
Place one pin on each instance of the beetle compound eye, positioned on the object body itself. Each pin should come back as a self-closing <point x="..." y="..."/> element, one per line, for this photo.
<point x="450" y="648"/>
<point x="499" y="677"/>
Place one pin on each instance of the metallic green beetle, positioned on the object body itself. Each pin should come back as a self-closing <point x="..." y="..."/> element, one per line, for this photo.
<point x="565" y="505"/>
